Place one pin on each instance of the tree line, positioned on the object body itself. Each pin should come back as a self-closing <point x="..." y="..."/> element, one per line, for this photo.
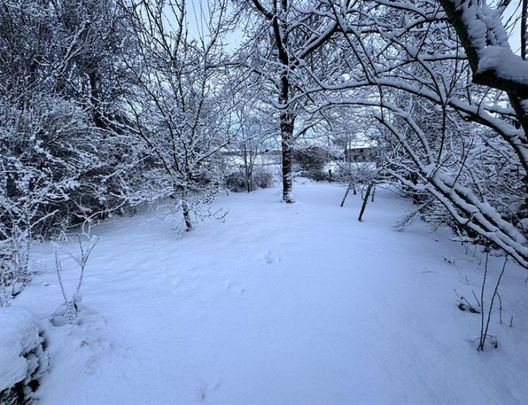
<point x="107" y="104"/>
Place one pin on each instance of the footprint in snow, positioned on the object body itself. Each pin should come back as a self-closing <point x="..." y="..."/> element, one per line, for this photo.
<point x="270" y="258"/>
<point x="204" y="390"/>
<point x="237" y="290"/>
<point x="176" y="281"/>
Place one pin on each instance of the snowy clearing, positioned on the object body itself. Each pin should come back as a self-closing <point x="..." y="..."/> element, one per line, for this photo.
<point x="280" y="304"/>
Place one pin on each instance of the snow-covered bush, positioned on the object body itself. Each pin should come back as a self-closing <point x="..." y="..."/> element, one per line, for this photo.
<point x="260" y="177"/>
<point x="263" y="177"/>
<point x="23" y="357"/>
<point x="14" y="268"/>
<point x="311" y="161"/>
<point x="61" y="161"/>
<point x="236" y="182"/>
<point x="52" y="177"/>
<point x="310" y="158"/>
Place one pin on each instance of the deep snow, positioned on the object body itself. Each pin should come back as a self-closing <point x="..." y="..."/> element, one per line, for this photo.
<point x="19" y="335"/>
<point x="279" y="304"/>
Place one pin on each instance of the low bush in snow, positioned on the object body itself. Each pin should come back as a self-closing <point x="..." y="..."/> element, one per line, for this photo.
<point x="263" y="178"/>
<point x="312" y="164"/>
<point x="311" y="159"/>
<point x="260" y="178"/>
<point x="236" y="182"/>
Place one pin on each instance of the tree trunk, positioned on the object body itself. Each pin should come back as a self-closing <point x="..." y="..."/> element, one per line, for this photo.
<point x="95" y="101"/>
<point x="365" y="201"/>
<point x="286" y="126"/>
<point x="346" y="194"/>
<point x="186" y="212"/>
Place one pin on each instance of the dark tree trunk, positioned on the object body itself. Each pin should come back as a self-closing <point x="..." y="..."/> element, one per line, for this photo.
<point x="346" y="195"/>
<point x="186" y="212"/>
<point x="365" y="201"/>
<point x="95" y="101"/>
<point x="286" y="126"/>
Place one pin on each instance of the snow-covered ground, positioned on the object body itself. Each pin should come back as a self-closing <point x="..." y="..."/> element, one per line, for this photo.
<point x="279" y="304"/>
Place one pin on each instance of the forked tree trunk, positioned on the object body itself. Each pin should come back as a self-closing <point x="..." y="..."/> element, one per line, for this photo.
<point x="286" y="126"/>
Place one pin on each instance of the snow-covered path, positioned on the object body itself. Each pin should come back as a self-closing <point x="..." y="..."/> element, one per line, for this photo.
<point x="280" y="304"/>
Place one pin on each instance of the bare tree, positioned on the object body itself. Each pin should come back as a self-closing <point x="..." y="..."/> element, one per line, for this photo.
<point x="180" y="110"/>
<point x="286" y="36"/>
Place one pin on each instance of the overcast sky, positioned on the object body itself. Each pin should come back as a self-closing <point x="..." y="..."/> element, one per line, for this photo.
<point x="511" y="14"/>
<point x="197" y="16"/>
<point x="198" y="12"/>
